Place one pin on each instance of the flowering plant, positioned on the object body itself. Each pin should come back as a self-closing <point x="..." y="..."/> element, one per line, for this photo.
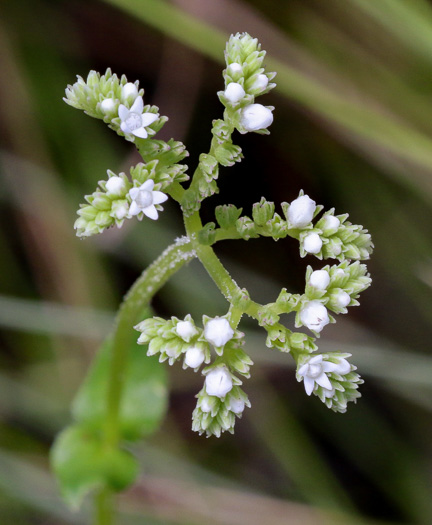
<point x="216" y="348"/>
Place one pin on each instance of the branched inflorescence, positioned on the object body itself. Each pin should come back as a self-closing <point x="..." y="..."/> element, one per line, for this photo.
<point x="217" y="346"/>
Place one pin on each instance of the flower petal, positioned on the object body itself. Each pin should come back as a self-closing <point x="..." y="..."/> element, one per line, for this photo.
<point x="134" y="209"/>
<point x="309" y="385"/>
<point x="151" y="212"/>
<point x="323" y="381"/>
<point x="148" y="185"/>
<point x="134" y="192"/>
<point x="125" y="128"/>
<point x="140" y="132"/>
<point x="148" y="118"/>
<point x="137" y="106"/>
<point x="123" y="112"/>
<point x="159" y="197"/>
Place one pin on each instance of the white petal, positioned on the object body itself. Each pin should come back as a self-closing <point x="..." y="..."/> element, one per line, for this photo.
<point x="134" y="209"/>
<point x="137" y="106"/>
<point x="125" y="128"/>
<point x="123" y="112"/>
<point x="303" y="370"/>
<point x="323" y="381"/>
<point x="309" y="385"/>
<point x="151" y="212"/>
<point x="134" y="192"/>
<point x="148" y="185"/>
<point x="148" y="118"/>
<point x="140" y="132"/>
<point x="316" y="359"/>
<point x="327" y="366"/>
<point x="159" y="197"/>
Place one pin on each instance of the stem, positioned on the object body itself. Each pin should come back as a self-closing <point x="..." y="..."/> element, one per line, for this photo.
<point x="136" y="300"/>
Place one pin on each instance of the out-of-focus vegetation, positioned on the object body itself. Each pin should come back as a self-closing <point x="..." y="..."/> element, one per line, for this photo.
<point x="353" y="128"/>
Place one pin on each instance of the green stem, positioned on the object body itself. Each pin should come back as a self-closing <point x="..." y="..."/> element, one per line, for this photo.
<point x="104" y="512"/>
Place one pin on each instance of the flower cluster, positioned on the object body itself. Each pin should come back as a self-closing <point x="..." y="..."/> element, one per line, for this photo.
<point x="221" y="398"/>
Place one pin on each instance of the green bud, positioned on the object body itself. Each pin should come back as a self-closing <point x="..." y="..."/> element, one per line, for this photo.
<point x="207" y="235"/>
<point x="246" y="228"/>
<point x="227" y="215"/>
<point x="262" y="211"/>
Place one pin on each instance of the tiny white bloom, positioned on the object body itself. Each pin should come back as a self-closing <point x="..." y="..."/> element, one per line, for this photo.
<point x="108" y="105"/>
<point x="314" y="371"/>
<point x="234" y="68"/>
<point x="115" y="185"/>
<point x="218" y="331"/>
<point x="234" y="92"/>
<point x="134" y="121"/>
<point x="260" y="83"/>
<point x="255" y="117"/>
<point x="194" y="357"/>
<point x="218" y="382"/>
<point x="236" y="405"/>
<point x="144" y="200"/>
<point x="342" y="299"/>
<point x="312" y="243"/>
<point x="331" y="222"/>
<point x="129" y="92"/>
<point x="319" y="279"/>
<point x="301" y="211"/>
<point x="314" y="316"/>
<point x="186" y="330"/>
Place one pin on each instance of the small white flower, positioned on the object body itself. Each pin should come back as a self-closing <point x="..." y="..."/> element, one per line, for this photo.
<point x="234" y="69"/>
<point x="108" y="105"/>
<point x="236" y="405"/>
<point x="255" y="117"/>
<point x="341" y="299"/>
<point x="234" y="92"/>
<point x="218" y="382"/>
<point x="134" y="121"/>
<point x="312" y="243"/>
<point x="218" y="331"/>
<point x="129" y="92"/>
<point x="194" y="357"/>
<point x="260" y="83"/>
<point x="144" y="200"/>
<point x="186" y="330"/>
<point x="319" y="279"/>
<point x="115" y="186"/>
<point x="301" y="211"/>
<point x="314" y="316"/>
<point x="314" y="371"/>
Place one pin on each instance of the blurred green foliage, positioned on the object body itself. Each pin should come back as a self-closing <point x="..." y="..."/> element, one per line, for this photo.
<point x="353" y="128"/>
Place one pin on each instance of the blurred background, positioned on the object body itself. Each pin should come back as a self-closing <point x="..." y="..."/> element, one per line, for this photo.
<point x="353" y="128"/>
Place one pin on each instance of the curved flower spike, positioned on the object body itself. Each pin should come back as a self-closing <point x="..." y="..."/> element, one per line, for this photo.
<point x="134" y="121"/>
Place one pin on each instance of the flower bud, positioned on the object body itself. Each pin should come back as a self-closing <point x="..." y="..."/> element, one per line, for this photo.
<point x="186" y="330"/>
<point x="259" y="84"/>
<point x="319" y="279"/>
<point x="330" y="224"/>
<point x="108" y="106"/>
<point x="312" y="243"/>
<point x="234" y="69"/>
<point x="194" y="357"/>
<point x="236" y="405"/>
<point x="314" y="316"/>
<point x="234" y="92"/>
<point x="115" y="186"/>
<point x="301" y="211"/>
<point x="218" y="382"/>
<point x="255" y="117"/>
<point x="129" y="92"/>
<point x="218" y="331"/>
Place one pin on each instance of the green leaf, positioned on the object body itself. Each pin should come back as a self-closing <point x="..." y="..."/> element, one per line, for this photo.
<point x="144" y="399"/>
<point x="82" y="463"/>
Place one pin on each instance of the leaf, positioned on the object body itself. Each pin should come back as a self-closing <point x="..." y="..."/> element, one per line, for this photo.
<point x="82" y="463"/>
<point x="144" y="398"/>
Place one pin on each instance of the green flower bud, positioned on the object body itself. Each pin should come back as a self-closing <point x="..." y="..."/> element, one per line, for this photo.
<point x="227" y="215"/>
<point x="262" y="211"/>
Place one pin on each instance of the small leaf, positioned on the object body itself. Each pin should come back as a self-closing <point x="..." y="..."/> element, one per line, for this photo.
<point x="144" y="399"/>
<point x="83" y="463"/>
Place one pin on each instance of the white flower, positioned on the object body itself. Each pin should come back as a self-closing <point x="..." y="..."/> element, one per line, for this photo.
<point x="194" y="357"/>
<point x="129" y="92"/>
<point x="341" y="299"/>
<point x="218" y="331"/>
<point x="134" y="121"/>
<point x="236" y="405"/>
<point x="301" y="211"/>
<point x="312" y="243"/>
<point x="314" y="316"/>
<point x="115" y="185"/>
<point x="144" y="200"/>
<point x="108" y="105"/>
<point x="316" y="370"/>
<point x="319" y="279"/>
<point x="218" y="382"/>
<point x="186" y="330"/>
<point x="255" y="117"/>
<point x="259" y="83"/>
<point x="234" y="92"/>
<point x="234" y="68"/>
